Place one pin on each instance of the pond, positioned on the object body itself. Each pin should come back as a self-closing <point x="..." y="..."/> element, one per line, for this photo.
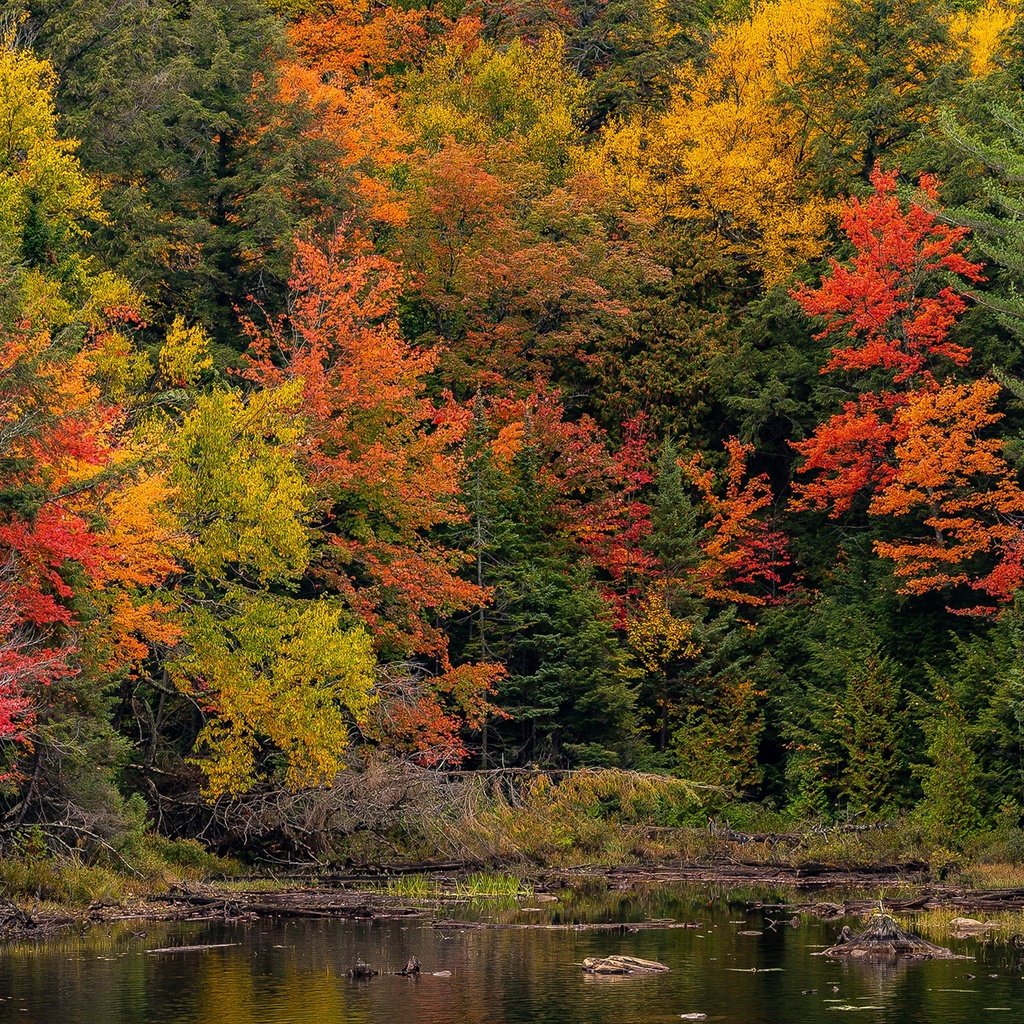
<point x="294" y="971"/>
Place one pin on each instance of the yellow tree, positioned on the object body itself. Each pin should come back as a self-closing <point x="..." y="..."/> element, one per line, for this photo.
<point x="272" y="672"/>
<point x="981" y="33"/>
<point x="732" y="156"/>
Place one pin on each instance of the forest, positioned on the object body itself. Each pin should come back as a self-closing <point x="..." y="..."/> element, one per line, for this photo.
<point x="624" y="398"/>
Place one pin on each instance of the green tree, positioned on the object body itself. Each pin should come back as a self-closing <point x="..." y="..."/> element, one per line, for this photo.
<point x="871" y="90"/>
<point x="208" y="174"/>
<point x="952" y="808"/>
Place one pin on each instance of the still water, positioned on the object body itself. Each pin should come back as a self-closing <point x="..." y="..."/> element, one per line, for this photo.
<point x="294" y="972"/>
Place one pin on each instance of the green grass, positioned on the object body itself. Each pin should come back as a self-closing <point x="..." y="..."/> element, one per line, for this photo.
<point x="482" y="884"/>
<point x="413" y="887"/>
<point x="142" y="865"/>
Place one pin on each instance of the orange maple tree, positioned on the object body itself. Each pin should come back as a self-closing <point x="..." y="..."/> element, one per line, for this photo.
<point x="744" y="556"/>
<point x="957" y="483"/>
<point x="385" y="462"/>
<point x="890" y="318"/>
<point x="915" y="450"/>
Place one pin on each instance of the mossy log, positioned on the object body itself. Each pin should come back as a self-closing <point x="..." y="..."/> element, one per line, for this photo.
<point x="884" y="939"/>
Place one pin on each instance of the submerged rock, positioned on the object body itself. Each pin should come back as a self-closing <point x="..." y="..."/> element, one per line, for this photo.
<point x="884" y="939"/>
<point x="622" y="965"/>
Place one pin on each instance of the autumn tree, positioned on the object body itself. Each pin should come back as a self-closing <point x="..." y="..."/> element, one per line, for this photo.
<point x="730" y="154"/>
<point x="891" y="313"/>
<point x="383" y="462"/>
<point x="744" y="555"/>
<point x="263" y="665"/>
<point x="954" y="478"/>
<point x="67" y="360"/>
<point x="916" y="448"/>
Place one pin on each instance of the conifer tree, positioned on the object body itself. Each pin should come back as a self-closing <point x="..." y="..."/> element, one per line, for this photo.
<point x="868" y="93"/>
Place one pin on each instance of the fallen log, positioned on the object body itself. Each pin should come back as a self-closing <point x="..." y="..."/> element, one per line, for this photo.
<point x="964" y="926"/>
<point x="621" y="928"/>
<point x="622" y="965"/>
<point x="193" y="949"/>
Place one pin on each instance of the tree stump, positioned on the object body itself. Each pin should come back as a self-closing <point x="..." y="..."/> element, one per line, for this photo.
<point x="411" y="968"/>
<point x="362" y="971"/>
<point x="884" y="939"/>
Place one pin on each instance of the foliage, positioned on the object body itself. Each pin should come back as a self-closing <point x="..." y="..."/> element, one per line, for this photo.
<point x="392" y="392"/>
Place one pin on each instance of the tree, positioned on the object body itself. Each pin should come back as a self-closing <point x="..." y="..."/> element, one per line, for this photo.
<point x="68" y="366"/>
<point x="917" y="449"/>
<point x="553" y="618"/>
<point x="207" y="173"/>
<point x="630" y="50"/>
<point x="950" y="809"/>
<point x="266" y="667"/>
<point x="732" y="155"/>
<point x="384" y="464"/>
<point x="877" y="82"/>
<point x="891" y="304"/>
<point x="995" y="217"/>
<point x="955" y="480"/>
<point x="744" y="557"/>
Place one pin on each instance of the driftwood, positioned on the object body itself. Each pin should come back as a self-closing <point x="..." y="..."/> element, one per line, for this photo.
<point x="307" y="902"/>
<point x="618" y="927"/>
<point x="622" y="965"/>
<point x="192" y="949"/>
<point x="963" y="926"/>
<point x="793" y="876"/>
<point x="980" y="901"/>
<point x="884" y="939"/>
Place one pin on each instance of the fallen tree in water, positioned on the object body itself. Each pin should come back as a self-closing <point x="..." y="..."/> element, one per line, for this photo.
<point x="884" y="939"/>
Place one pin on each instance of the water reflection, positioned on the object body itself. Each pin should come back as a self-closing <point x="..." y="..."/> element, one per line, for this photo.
<point x="295" y="972"/>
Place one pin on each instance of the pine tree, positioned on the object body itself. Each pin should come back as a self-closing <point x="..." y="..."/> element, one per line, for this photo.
<point x="208" y="176"/>
<point x="952" y="808"/>
<point x="869" y="92"/>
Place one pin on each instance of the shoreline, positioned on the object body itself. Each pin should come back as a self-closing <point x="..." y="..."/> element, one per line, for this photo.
<point x="348" y="896"/>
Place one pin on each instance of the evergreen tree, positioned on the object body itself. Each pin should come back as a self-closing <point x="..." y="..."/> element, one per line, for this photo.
<point x="868" y="93"/>
<point x="953" y="806"/>
<point x="630" y="50"/>
<point x="208" y="172"/>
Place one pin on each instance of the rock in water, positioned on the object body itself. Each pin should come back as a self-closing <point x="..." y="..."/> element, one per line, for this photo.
<point x="621" y="965"/>
<point x="884" y="939"/>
